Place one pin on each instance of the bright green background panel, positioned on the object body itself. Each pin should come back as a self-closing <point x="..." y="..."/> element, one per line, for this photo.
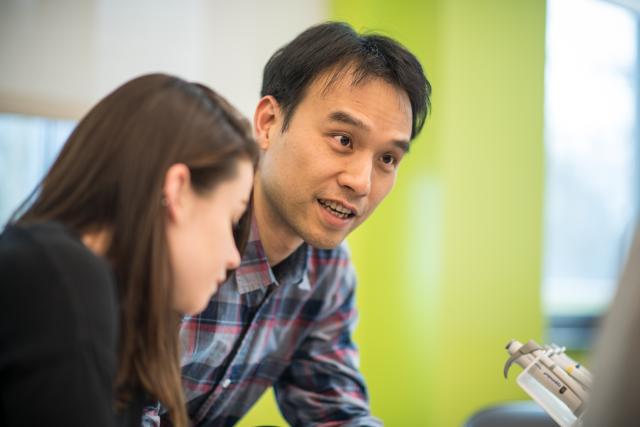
<point x="491" y="73"/>
<point x="449" y="264"/>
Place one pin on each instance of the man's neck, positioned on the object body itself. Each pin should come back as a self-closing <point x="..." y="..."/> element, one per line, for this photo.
<point x="277" y="238"/>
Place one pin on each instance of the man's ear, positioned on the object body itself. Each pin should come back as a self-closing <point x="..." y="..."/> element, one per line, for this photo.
<point x="266" y="120"/>
<point x="176" y="191"/>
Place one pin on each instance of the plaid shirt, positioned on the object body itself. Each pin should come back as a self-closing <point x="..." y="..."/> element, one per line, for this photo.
<point x="288" y="327"/>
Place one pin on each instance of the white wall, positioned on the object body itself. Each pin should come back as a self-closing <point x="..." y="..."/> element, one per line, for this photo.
<point x="58" y="58"/>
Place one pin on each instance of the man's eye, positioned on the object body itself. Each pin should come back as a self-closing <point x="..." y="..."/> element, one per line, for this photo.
<point x="388" y="159"/>
<point x="344" y="140"/>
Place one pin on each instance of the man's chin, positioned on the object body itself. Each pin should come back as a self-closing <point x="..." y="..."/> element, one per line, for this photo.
<point x="324" y="242"/>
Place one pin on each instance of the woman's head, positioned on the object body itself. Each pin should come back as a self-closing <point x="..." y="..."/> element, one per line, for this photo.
<point x="200" y="227"/>
<point x="165" y="166"/>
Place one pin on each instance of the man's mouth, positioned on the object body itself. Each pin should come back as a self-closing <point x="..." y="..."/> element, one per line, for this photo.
<point x="337" y="209"/>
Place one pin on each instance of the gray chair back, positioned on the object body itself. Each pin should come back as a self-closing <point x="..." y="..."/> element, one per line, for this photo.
<point x="511" y="414"/>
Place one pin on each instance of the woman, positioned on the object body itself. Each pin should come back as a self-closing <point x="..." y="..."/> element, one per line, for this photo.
<point x="130" y="229"/>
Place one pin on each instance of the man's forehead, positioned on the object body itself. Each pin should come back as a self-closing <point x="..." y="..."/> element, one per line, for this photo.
<point x="342" y="89"/>
<point x="342" y="82"/>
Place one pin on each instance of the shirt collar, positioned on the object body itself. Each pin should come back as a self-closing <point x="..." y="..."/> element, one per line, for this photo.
<point x="255" y="272"/>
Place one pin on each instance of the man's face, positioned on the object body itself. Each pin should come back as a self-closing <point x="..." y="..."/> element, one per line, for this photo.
<point x="336" y="161"/>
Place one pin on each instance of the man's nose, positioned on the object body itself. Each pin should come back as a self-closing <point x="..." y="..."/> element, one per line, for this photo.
<point x="357" y="176"/>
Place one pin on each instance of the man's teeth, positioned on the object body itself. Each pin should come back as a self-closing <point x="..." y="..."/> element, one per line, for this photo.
<point x="336" y="209"/>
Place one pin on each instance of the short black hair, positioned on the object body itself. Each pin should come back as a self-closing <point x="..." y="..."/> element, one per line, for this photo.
<point x="292" y="68"/>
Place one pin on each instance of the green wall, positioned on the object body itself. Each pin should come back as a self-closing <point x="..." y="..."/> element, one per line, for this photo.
<point x="449" y="264"/>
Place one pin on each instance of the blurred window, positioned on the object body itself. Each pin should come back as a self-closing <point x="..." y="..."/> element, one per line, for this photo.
<point x="28" y="147"/>
<point x="591" y="142"/>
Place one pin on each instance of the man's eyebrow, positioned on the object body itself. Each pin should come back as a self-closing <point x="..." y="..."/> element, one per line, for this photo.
<point x="402" y="145"/>
<point x="346" y="118"/>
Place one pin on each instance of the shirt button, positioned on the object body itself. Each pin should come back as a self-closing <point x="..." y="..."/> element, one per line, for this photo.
<point x="226" y="383"/>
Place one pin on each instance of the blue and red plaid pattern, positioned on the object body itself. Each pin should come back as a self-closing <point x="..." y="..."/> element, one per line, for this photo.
<point x="288" y="327"/>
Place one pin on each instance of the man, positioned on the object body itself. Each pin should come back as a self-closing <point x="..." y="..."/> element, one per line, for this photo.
<point x="337" y="114"/>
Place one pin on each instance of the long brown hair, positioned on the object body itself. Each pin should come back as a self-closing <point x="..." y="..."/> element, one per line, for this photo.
<point x="110" y="174"/>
